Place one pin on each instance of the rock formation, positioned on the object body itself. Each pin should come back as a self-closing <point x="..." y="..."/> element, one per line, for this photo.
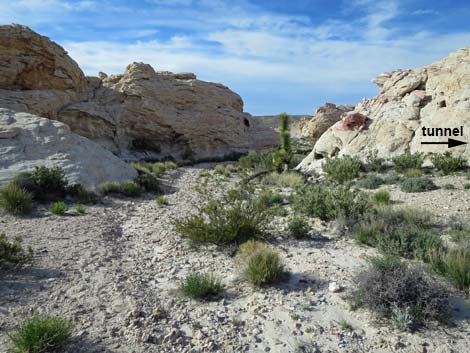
<point x="139" y="114"/>
<point x="437" y="95"/>
<point x="27" y="141"/>
<point x="325" y="117"/>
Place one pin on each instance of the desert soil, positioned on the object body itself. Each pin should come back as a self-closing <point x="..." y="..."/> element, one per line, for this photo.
<point x="116" y="270"/>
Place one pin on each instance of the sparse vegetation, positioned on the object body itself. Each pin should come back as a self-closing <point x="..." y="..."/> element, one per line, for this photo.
<point x="161" y="201"/>
<point x="466" y="186"/>
<point x="269" y="198"/>
<point x="298" y="228"/>
<point x="382" y="197"/>
<point x="258" y="161"/>
<point x="418" y="184"/>
<point x="80" y="210"/>
<point x="447" y="164"/>
<point x="128" y="188"/>
<point x="58" y="208"/>
<point x="374" y="163"/>
<point x="400" y="292"/>
<point x="15" y="200"/>
<point x="284" y="180"/>
<point x="13" y="254"/>
<point x="112" y="188"/>
<point x="201" y="285"/>
<point x="342" y="169"/>
<point x="221" y="170"/>
<point x="148" y="182"/>
<point x="412" y="173"/>
<point x="235" y="218"/>
<point x="41" y="334"/>
<point x="448" y="187"/>
<point x="408" y="161"/>
<point x="370" y="182"/>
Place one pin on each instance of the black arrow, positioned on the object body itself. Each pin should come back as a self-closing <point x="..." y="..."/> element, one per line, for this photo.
<point x="450" y="143"/>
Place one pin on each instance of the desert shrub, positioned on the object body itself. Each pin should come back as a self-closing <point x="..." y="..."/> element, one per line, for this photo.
<point x="50" y="183"/>
<point x="221" y="170"/>
<point x="234" y="218"/>
<point x="81" y="195"/>
<point x="448" y="187"/>
<point x="204" y="174"/>
<point x="58" y="208"/>
<point x="258" y="161"/>
<point x="201" y="285"/>
<point x="382" y="197"/>
<point x="392" y="179"/>
<point x="459" y="230"/>
<point x="447" y="163"/>
<point x="15" y="200"/>
<point x="41" y="334"/>
<point x="284" y="180"/>
<point x="375" y="163"/>
<point x="401" y="232"/>
<point x="329" y="203"/>
<point x="412" y="173"/>
<point x="131" y="189"/>
<point x="408" y="161"/>
<point x="417" y="185"/>
<point x="394" y="290"/>
<point x="110" y="188"/>
<point x="161" y="200"/>
<point x="295" y="160"/>
<point x="342" y="169"/>
<point x="13" y="254"/>
<point x="170" y="165"/>
<point x="466" y="186"/>
<point x="298" y="228"/>
<point x="148" y="182"/>
<point x="143" y="167"/>
<point x="269" y="198"/>
<point x="370" y="182"/>
<point x="80" y="209"/>
<point x="262" y="265"/>
<point x="158" y="169"/>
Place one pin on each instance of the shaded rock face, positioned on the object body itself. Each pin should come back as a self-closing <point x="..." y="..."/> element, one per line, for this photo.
<point x="148" y="114"/>
<point x="36" y="74"/>
<point x="325" y="116"/>
<point x="27" y="141"/>
<point x="437" y="95"/>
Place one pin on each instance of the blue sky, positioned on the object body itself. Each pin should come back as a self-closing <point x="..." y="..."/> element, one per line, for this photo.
<point x="278" y="55"/>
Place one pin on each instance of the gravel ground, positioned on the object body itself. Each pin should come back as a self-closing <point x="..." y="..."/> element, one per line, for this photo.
<point x="116" y="270"/>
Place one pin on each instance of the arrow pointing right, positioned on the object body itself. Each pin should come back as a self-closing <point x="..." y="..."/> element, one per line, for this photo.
<point x="450" y="143"/>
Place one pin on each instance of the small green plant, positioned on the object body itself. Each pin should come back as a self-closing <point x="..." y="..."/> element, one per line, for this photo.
<point x="299" y="228"/>
<point x="466" y="186"/>
<point x="13" y="254"/>
<point x="204" y="174"/>
<point x="131" y="189"/>
<point x="447" y="164"/>
<point x="412" y="173"/>
<point x="15" y="200"/>
<point x="448" y="187"/>
<point x="58" y="208"/>
<point x="382" y="197"/>
<point x="417" y="185"/>
<point x="41" y="334"/>
<point x="148" y="182"/>
<point x="400" y="292"/>
<point x="262" y="265"/>
<point x="370" y="182"/>
<point x="408" y="161"/>
<point x="345" y="325"/>
<point x="201" y="285"/>
<point x="161" y="201"/>
<point x="80" y="210"/>
<point x="112" y="188"/>
<point x="81" y="195"/>
<point x="269" y="198"/>
<point x="221" y="170"/>
<point x="158" y="169"/>
<point x="375" y="163"/>
<point x="170" y="165"/>
<point x="342" y="169"/>
<point x="284" y="180"/>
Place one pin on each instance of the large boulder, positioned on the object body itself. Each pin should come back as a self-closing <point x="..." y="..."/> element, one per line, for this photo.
<point x="436" y="96"/>
<point x="144" y="113"/>
<point x="325" y="117"/>
<point x="36" y="74"/>
<point x="27" y="141"/>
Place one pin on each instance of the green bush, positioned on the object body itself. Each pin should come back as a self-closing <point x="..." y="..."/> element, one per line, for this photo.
<point x="375" y="163"/>
<point x="110" y="188"/>
<point x="15" y="200"/>
<point x="466" y="186"/>
<point x="389" y="284"/>
<point x="269" y="198"/>
<point x="148" y="182"/>
<point x="221" y="170"/>
<point x="284" y="180"/>
<point x="329" y="203"/>
<point x="408" y="161"/>
<point x="258" y="161"/>
<point x="412" y="173"/>
<point x="370" y="182"/>
<point x="170" y="165"/>
<point x="417" y="185"/>
<point x="143" y="167"/>
<point x="58" y="208"/>
<point x="262" y="265"/>
<point x="342" y="169"/>
<point x="448" y="187"/>
<point x="201" y="285"/>
<point x="382" y="197"/>
<point x="131" y="189"/>
<point x="81" y="195"/>
<point x="80" y="209"/>
<point x="400" y="232"/>
<point x="41" y="334"/>
<point x="234" y="218"/>
<point x="447" y="164"/>
<point x="392" y="179"/>
<point x="161" y="200"/>
<point x="50" y="183"/>
<point x="12" y="253"/>
<point x="299" y="228"/>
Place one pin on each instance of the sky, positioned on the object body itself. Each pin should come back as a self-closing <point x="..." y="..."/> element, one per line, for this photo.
<point x="280" y="56"/>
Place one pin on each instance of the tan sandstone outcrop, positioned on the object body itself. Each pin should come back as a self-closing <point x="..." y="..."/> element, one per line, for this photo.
<point x="325" y="116"/>
<point x="36" y="74"/>
<point x="146" y="113"/>
<point x="27" y="141"/>
<point x="437" y="95"/>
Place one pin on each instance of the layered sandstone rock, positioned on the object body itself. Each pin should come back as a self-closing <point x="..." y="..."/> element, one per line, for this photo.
<point x="144" y="113"/>
<point x="437" y="95"/>
<point x="27" y="141"/>
<point x="36" y="74"/>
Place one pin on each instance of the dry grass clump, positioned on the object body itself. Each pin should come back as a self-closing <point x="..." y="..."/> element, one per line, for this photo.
<point x="201" y="285"/>
<point x="284" y="180"/>
<point x="15" y="200"/>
